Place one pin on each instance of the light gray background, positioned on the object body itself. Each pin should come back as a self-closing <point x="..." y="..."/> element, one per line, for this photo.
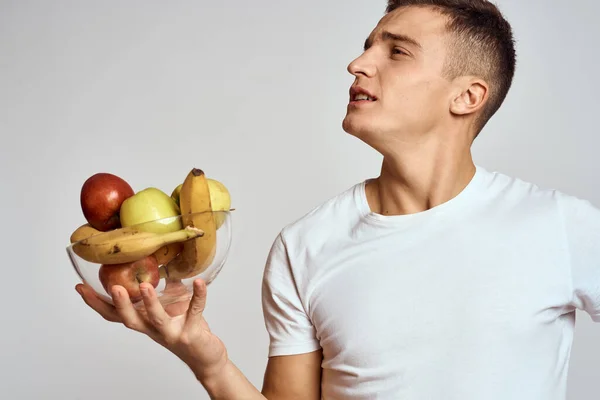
<point x="253" y="93"/>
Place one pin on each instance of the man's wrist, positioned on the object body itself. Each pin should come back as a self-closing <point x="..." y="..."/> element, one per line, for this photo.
<point x="210" y="377"/>
<point x="226" y="382"/>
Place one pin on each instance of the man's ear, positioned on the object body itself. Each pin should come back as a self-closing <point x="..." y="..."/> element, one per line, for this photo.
<point x="470" y="96"/>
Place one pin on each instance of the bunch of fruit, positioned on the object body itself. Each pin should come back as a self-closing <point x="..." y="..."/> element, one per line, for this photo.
<point x="149" y="235"/>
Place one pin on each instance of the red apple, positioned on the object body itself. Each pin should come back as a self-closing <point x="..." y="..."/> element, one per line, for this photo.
<point x="101" y="197"/>
<point x="130" y="275"/>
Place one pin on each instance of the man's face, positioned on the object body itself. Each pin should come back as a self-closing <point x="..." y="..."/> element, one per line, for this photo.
<point x="402" y="72"/>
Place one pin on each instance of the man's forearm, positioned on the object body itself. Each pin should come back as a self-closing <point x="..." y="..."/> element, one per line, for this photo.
<point x="230" y="384"/>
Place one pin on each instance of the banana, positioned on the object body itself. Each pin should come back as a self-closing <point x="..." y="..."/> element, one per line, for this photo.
<point x="196" y="211"/>
<point x="162" y="272"/>
<point x="220" y="198"/>
<point x="86" y="231"/>
<point x="83" y="232"/>
<point x="168" y="252"/>
<point x="126" y="245"/>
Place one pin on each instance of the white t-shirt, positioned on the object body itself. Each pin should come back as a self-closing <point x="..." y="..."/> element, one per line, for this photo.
<point x="471" y="300"/>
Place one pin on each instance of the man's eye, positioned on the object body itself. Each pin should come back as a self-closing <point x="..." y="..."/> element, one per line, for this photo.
<point x="398" y="51"/>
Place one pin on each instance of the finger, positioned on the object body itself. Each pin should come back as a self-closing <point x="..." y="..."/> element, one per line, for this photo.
<point x="128" y="314"/>
<point x="155" y="313"/>
<point x="197" y="304"/>
<point x="105" y="309"/>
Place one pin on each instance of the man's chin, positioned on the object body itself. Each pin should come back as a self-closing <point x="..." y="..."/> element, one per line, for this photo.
<point x="355" y="128"/>
<point x="363" y="131"/>
<point x="349" y="126"/>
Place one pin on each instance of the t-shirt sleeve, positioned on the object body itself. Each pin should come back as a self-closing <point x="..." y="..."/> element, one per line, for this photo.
<point x="582" y="227"/>
<point x="290" y="329"/>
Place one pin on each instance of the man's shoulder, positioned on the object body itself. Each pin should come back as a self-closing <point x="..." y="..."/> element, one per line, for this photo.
<point x="513" y="190"/>
<point x="330" y="213"/>
<point x="513" y="187"/>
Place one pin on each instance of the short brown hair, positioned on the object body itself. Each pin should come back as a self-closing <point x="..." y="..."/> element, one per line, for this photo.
<point x="484" y="45"/>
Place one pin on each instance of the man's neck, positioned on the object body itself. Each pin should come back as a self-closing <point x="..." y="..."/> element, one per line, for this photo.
<point x="419" y="178"/>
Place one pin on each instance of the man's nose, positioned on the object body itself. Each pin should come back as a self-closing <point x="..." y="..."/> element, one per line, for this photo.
<point x="363" y="65"/>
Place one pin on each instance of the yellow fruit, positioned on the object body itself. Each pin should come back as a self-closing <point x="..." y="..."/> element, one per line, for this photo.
<point x="168" y="252"/>
<point x="152" y="209"/>
<point x="83" y="232"/>
<point x="220" y="198"/>
<point x="126" y="244"/>
<point x="195" y="204"/>
<point x="175" y="194"/>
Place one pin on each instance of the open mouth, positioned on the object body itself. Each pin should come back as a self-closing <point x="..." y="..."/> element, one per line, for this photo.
<point x="363" y="97"/>
<point x="360" y="95"/>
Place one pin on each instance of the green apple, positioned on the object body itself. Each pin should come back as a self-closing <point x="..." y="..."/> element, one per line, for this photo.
<point x="151" y="204"/>
<point x="220" y="200"/>
<point x="175" y="194"/>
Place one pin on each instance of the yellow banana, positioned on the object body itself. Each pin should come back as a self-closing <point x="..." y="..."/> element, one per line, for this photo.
<point x="168" y="252"/>
<point x="83" y="232"/>
<point x="196" y="211"/>
<point x="130" y="245"/>
<point x="86" y="231"/>
<point x="220" y="199"/>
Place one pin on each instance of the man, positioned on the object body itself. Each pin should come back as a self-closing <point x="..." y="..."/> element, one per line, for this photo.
<point x="436" y="280"/>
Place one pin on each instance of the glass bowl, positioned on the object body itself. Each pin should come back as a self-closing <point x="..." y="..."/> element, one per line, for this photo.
<point x="167" y="252"/>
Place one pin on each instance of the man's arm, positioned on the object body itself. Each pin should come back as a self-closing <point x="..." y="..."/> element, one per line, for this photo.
<point x="296" y="377"/>
<point x="293" y="377"/>
<point x="581" y="221"/>
<point x="188" y="336"/>
<point x="294" y="367"/>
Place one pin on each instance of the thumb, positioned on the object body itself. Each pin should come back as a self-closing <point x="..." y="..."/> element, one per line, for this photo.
<point x="198" y="302"/>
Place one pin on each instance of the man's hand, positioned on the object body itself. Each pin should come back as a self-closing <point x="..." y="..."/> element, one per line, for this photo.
<point x="180" y="327"/>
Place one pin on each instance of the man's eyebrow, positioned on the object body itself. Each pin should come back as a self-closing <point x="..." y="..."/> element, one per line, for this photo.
<point x="395" y="37"/>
